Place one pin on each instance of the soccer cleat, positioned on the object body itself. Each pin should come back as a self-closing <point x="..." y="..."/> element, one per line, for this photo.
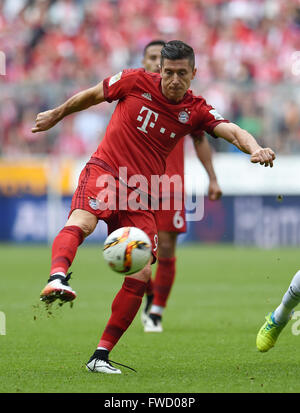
<point x="99" y="363"/>
<point x="146" y="309"/>
<point x="57" y="288"/>
<point x="101" y="366"/>
<point x="153" y="324"/>
<point x="268" y="334"/>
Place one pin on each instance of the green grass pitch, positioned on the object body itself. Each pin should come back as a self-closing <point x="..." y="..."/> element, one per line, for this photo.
<point x="218" y="302"/>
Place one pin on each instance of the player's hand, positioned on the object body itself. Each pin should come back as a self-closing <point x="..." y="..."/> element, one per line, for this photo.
<point x="214" y="191"/>
<point x="265" y="156"/>
<point x="45" y="121"/>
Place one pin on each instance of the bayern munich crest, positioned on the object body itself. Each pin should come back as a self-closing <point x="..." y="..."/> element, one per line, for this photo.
<point x="94" y="203"/>
<point x="183" y="116"/>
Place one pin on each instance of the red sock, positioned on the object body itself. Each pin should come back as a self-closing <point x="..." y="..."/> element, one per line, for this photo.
<point x="64" y="248"/>
<point x="164" y="279"/>
<point x="149" y="287"/>
<point x="123" y="310"/>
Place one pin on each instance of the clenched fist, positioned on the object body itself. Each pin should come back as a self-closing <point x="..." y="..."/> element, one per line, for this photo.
<point x="45" y="121"/>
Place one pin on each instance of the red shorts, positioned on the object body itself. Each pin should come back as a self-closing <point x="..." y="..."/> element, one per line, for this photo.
<point x="102" y="200"/>
<point x="171" y="220"/>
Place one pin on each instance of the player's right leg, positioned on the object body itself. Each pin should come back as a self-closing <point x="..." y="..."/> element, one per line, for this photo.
<point x="83" y="218"/>
<point x="80" y="224"/>
<point x="278" y="319"/>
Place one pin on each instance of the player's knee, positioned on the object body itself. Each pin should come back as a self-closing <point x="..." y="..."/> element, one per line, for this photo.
<point x="147" y="272"/>
<point x="143" y="275"/>
<point x="166" y="244"/>
<point x="87" y="228"/>
<point x="86" y="221"/>
<point x="166" y="249"/>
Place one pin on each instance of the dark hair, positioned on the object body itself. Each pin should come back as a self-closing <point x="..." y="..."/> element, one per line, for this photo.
<point x="154" y="43"/>
<point x="175" y="50"/>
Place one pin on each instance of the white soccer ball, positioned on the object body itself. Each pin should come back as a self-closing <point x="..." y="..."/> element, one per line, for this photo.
<point x="127" y="250"/>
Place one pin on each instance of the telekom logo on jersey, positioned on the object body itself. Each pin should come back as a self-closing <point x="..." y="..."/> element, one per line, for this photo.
<point x="152" y="119"/>
<point x="147" y="119"/>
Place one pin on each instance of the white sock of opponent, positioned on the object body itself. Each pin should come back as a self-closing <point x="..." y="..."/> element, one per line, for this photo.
<point x="289" y="301"/>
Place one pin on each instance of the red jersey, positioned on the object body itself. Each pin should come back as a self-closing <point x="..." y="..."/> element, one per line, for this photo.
<point x="175" y="161"/>
<point x="175" y="166"/>
<point x="145" y="126"/>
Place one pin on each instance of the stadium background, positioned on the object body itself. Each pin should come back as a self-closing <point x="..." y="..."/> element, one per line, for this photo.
<point x="247" y="55"/>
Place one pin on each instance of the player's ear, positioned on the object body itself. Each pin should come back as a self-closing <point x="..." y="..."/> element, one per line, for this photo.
<point x="194" y="72"/>
<point x="161" y="66"/>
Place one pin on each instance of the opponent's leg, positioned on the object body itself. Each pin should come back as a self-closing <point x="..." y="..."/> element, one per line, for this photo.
<point x="164" y="280"/>
<point x="124" y="308"/>
<point x="277" y="320"/>
<point x="80" y="224"/>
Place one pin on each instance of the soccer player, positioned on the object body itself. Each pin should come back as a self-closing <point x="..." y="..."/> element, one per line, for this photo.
<point x="278" y="319"/>
<point x="171" y="222"/>
<point x="144" y="128"/>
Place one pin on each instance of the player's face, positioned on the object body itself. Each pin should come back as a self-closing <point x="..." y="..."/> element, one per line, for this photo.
<point x="151" y="59"/>
<point x="176" y="78"/>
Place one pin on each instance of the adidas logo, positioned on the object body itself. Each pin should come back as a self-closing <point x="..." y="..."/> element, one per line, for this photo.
<point x="147" y="96"/>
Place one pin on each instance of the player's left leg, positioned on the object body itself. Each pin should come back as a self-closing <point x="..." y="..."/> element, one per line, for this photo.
<point x="164" y="280"/>
<point x="128" y="300"/>
<point x="123" y="311"/>
<point x="277" y="320"/>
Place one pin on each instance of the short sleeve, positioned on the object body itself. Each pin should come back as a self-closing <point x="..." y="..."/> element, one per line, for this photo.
<point x="118" y="86"/>
<point x="210" y="118"/>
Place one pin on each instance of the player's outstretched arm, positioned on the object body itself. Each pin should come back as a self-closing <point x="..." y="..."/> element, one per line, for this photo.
<point x="78" y="102"/>
<point x="203" y="152"/>
<point x="245" y="142"/>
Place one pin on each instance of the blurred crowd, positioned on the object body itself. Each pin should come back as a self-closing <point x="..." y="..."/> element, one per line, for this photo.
<point x="247" y="55"/>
